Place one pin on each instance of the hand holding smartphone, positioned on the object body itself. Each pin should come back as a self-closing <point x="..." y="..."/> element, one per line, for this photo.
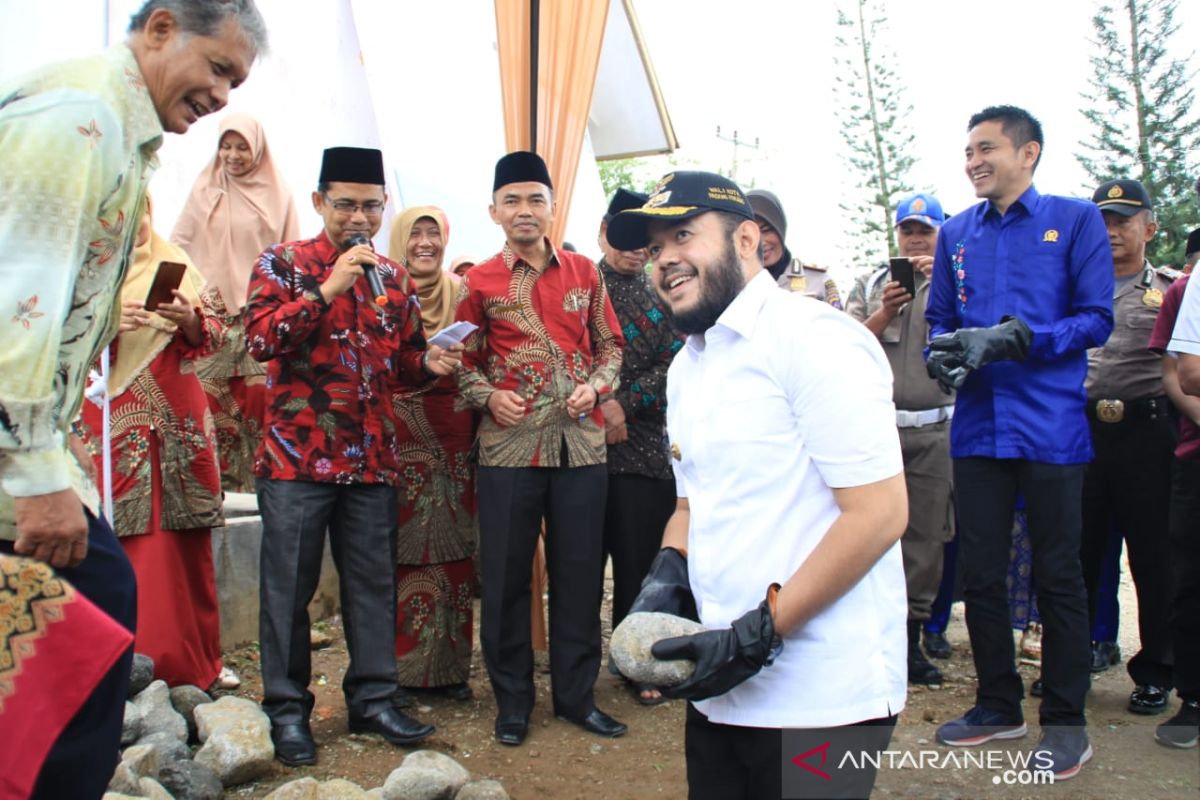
<point x="902" y="272"/>
<point x="166" y="280"/>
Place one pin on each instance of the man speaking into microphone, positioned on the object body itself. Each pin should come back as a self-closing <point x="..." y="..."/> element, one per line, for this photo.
<point x="339" y="327"/>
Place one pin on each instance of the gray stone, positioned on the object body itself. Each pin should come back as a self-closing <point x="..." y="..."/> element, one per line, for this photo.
<point x="228" y="710"/>
<point x="375" y="794"/>
<point x="340" y="789"/>
<point x="142" y="759"/>
<point x="169" y="748"/>
<point x="131" y="725"/>
<point x="184" y="699"/>
<point x="119" y="796"/>
<point x="432" y="759"/>
<point x="238" y="751"/>
<point x="153" y="790"/>
<point x="187" y="780"/>
<point x="417" y="783"/>
<point x="124" y="780"/>
<point x="302" y="789"/>
<point x="631" y="642"/>
<point x="141" y="674"/>
<point x="158" y="715"/>
<point x="482" y="790"/>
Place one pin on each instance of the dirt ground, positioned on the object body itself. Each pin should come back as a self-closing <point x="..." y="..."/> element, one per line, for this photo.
<point x="560" y="761"/>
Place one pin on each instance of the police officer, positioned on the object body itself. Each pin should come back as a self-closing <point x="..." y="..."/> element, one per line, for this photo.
<point x="923" y="413"/>
<point x="1127" y="485"/>
<point x="788" y="272"/>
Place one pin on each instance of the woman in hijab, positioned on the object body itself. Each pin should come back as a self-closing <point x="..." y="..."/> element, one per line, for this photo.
<point x="166" y="487"/>
<point x="435" y="571"/>
<point x="238" y="207"/>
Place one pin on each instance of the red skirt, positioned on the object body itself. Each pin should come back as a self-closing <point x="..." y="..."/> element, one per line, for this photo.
<point x="434" y="623"/>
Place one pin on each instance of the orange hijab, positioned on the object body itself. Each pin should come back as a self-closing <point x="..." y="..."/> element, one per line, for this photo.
<point x="437" y="292"/>
<point x="228" y="221"/>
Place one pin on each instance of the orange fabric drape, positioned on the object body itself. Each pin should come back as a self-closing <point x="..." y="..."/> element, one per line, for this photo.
<point x="570" y="34"/>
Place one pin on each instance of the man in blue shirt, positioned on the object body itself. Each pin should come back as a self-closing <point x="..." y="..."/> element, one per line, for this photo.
<point x="1022" y="287"/>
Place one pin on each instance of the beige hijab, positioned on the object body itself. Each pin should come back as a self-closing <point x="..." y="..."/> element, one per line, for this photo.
<point x="436" y="291"/>
<point x="227" y="221"/>
<point x="138" y="347"/>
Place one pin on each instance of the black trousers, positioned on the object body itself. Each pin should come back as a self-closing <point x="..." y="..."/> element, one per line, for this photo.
<point x="1184" y="613"/>
<point x="985" y="493"/>
<point x="512" y="504"/>
<point x="635" y="515"/>
<point x="731" y="762"/>
<point x="361" y="519"/>
<point x="1128" y="487"/>
<point x="82" y="760"/>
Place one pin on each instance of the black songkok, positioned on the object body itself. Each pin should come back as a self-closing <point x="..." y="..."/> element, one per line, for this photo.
<point x="521" y="167"/>
<point x="624" y="199"/>
<point x="352" y="165"/>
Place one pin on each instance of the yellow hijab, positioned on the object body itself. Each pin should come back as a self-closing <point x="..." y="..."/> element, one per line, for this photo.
<point x="436" y="291"/>
<point x="138" y="347"/>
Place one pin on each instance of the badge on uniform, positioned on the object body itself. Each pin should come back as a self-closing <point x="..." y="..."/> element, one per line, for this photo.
<point x="797" y="283"/>
<point x="1153" y="298"/>
<point x="678" y="456"/>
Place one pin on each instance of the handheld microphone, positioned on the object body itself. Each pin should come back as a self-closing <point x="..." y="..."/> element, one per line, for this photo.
<point x="373" y="279"/>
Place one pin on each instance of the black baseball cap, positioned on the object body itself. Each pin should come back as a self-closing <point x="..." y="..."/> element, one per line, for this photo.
<point x="1125" y="197"/>
<point x="678" y="196"/>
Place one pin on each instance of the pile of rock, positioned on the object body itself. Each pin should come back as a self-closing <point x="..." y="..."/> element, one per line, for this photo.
<point x="423" y="775"/>
<point x="232" y="739"/>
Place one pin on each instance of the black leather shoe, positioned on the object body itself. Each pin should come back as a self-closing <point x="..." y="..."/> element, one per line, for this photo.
<point x="936" y="645"/>
<point x="511" y="729"/>
<point x="402" y="698"/>
<point x="1147" y="699"/>
<point x="392" y="724"/>
<point x="294" y="745"/>
<point x="459" y="691"/>
<point x="1105" y="655"/>
<point x="1037" y="688"/>
<point x="599" y="723"/>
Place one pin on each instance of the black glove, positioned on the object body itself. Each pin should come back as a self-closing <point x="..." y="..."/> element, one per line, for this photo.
<point x="952" y="356"/>
<point x="723" y="658"/>
<point x="665" y="588"/>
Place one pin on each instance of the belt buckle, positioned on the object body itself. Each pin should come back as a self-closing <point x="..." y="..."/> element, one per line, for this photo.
<point x="1110" y="410"/>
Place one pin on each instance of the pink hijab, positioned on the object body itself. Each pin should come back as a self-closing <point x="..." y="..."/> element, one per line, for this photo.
<point x="228" y="221"/>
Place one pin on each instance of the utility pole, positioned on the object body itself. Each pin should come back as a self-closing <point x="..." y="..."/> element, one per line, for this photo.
<point x="736" y="143"/>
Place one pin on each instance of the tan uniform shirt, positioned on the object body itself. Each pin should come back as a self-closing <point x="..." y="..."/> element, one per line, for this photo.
<point x="810" y="280"/>
<point x="1123" y="368"/>
<point x="903" y="341"/>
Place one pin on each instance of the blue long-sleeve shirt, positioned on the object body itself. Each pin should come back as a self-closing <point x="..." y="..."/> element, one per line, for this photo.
<point x="1047" y="261"/>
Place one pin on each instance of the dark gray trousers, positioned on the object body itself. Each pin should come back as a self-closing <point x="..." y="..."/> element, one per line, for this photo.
<point x="512" y="503"/>
<point x="361" y="519"/>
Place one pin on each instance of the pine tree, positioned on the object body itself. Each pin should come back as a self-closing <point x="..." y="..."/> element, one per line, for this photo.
<point x="871" y="111"/>
<point x="1144" y="125"/>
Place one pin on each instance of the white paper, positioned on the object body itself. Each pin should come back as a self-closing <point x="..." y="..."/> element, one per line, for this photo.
<point x="453" y="334"/>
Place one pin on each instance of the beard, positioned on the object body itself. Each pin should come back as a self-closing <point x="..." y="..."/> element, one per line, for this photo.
<point x="720" y="283"/>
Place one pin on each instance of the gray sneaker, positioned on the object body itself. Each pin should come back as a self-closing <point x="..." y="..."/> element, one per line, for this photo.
<point x="1183" y="729"/>
<point x="1063" y="750"/>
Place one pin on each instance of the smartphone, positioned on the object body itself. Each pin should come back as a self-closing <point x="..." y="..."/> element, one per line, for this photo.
<point x="902" y="273"/>
<point x="167" y="279"/>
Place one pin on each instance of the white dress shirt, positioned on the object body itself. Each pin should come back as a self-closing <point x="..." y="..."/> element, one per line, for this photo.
<point x="1186" y="336"/>
<point x="780" y="401"/>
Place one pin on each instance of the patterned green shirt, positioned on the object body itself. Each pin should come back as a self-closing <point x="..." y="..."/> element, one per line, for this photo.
<point x="77" y="149"/>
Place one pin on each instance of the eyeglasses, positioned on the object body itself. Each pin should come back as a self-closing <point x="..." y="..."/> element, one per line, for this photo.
<point x="372" y="208"/>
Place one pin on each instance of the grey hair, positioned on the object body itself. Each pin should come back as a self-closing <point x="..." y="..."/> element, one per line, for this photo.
<point x="206" y="17"/>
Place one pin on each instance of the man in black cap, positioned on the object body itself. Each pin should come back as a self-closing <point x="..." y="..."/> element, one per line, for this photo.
<point x="786" y="531"/>
<point x="336" y="349"/>
<point x="806" y="279"/>
<point x="1127" y="485"/>
<point x="547" y="353"/>
<point x="641" y="486"/>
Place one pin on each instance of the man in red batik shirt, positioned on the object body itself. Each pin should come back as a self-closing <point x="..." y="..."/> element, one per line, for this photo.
<point x="547" y="352"/>
<point x="335" y="354"/>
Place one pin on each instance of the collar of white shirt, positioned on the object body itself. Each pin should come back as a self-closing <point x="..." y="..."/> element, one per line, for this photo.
<point x="741" y="315"/>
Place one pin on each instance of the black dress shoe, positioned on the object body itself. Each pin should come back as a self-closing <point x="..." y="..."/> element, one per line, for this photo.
<point x="402" y="698"/>
<point x="511" y="729"/>
<point x="1147" y="699"/>
<point x="1105" y="655"/>
<point x="936" y="645"/>
<point x="599" y="723"/>
<point x="392" y="724"/>
<point x="1037" y="688"/>
<point x="294" y="745"/>
<point x="459" y="691"/>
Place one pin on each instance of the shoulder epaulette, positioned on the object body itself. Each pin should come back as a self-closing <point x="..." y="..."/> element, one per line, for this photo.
<point x="1169" y="273"/>
<point x="816" y="267"/>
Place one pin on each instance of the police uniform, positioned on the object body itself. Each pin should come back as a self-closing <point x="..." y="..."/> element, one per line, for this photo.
<point x="923" y="414"/>
<point x="1128" y="483"/>
<point x="810" y="280"/>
